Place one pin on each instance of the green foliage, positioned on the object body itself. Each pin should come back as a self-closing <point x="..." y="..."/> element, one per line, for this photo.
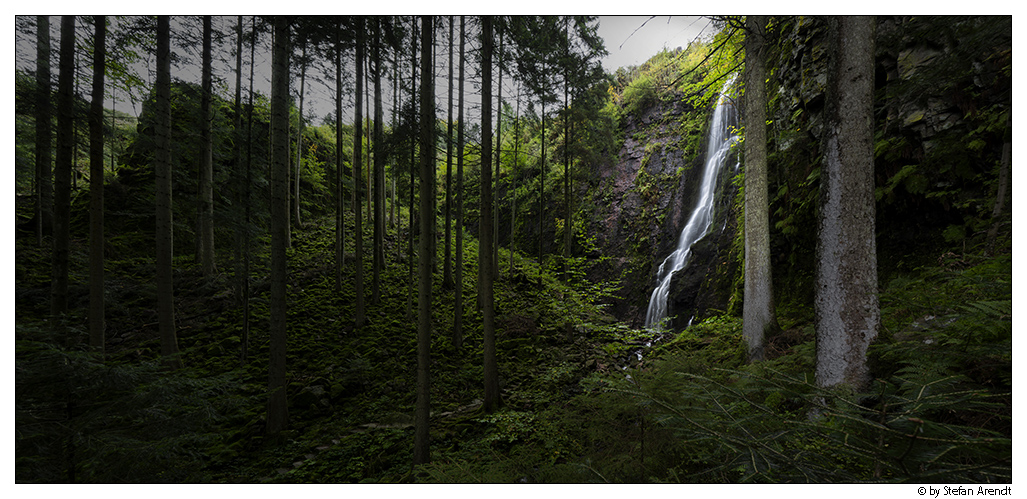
<point x="78" y="419"/>
<point x="639" y="95"/>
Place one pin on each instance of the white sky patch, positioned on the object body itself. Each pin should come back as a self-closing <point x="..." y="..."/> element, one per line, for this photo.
<point x="632" y="40"/>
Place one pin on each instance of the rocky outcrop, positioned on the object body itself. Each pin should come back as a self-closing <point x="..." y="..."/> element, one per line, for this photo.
<point x="646" y="198"/>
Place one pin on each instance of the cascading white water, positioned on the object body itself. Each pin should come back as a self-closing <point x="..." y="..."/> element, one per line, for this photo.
<point x="722" y="137"/>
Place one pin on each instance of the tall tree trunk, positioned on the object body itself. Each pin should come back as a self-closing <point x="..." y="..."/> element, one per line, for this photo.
<point x="299" y="139"/>
<point x="340" y="220"/>
<point x="413" y="161"/>
<point x="237" y="167"/>
<point x="758" y="306"/>
<point x="206" y="187"/>
<point x="358" y="231"/>
<point x="458" y="239"/>
<point x="162" y="172"/>
<point x="277" y="407"/>
<point x="447" y="265"/>
<point x="499" y="151"/>
<point x="542" y="191"/>
<point x="568" y="222"/>
<point x="395" y="125"/>
<point x="491" y="402"/>
<point x="427" y="181"/>
<point x="379" y="170"/>
<point x="63" y="170"/>
<point x="847" y="315"/>
<point x="244" y="349"/>
<point x="44" y="176"/>
<point x="513" y="177"/>
<point x="96" y="278"/>
<point x="367" y="140"/>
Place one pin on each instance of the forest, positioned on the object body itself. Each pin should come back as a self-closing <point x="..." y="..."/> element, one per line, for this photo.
<point x="779" y="254"/>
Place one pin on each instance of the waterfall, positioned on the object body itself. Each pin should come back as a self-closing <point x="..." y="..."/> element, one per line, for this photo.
<point x="722" y="137"/>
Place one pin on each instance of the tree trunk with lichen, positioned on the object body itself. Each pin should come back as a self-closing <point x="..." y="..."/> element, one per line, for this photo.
<point x="847" y="314"/>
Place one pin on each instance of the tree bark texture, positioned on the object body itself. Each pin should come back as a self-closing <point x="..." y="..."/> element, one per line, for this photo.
<point x="277" y="409"/>
<point x="847" y="315"/>
<point x="358" y="231"/>
<point x="340" y="219"/>
<point x="458" y="239"/>
<point x="162" y="172"/>
<point x="378" y="249"/>
<point x="487" y="270"/>
<point x="758" y="305"/>
<point x="96" y="277"/>
<point x="206" y="188"/>
<point x="424" y="264"/>
<point x="63" y="170"/>
<point x="299" y="139"/>
<point x="44" y="175"/>
<point x="447" y="264"/>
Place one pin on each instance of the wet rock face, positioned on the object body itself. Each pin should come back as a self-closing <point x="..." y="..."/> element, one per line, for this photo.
<point x="649" y="194"/>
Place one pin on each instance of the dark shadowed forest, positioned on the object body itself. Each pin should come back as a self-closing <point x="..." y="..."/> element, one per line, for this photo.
<point x="781" y="253"/>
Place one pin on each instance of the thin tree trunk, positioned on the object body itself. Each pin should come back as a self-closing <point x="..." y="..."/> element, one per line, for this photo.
<point x="358" y="231"/>
<point x="491" y="402"/>
<point x="568" y="217"/>
<point x="340" y="220"/>
<point x="63" y="171"/>
<point x="277" y="408"/>
<point x="499" y="146"/>
<point x="395" y="125"/>
<point x="542" y="192"/>
<point x="758" y="306"/>
<point x="513" y="177"/>
<point x="244" y="350"/>
<point x="413" y="148"/>
<point x="206" y="186"/>
<point x="96" y="277"/>
<point x="367" y="136"/>
<point x="162" y="168"/>
<point x="447" y="265"/>
<point x="458" y="240"/>
<point x="379" y="170"/>
<point x="299" y="139"/>
<point x="44" y="175"/>
<point x="422" y="453"/>
<point x="237" y="174"/>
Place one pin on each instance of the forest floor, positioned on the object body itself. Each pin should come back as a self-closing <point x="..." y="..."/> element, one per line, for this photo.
<point x="584" y="399"/>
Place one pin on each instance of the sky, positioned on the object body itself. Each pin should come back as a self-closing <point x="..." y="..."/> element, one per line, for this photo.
<point x="630" y="40"/>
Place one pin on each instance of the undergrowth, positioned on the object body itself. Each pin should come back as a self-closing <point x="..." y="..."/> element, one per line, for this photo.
<point x="585" y="398"/>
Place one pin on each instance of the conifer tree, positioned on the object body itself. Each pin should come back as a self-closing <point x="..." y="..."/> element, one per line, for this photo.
<point x="447" y="265"/>
<point x="378" y="247"/>
<point x="277" y="408"/>
<point x="846" y="310"/>
<point x="44" y="175"/>
<point x="358" y="230"/>
<point x="162" y="172"/>
<point x="458" y="239"/>
<point x="491" y="401"/>
<point x="63" y="171"/>
<point x="205" y="201"/>
<point x="96" y="276"/>
<point x="427" y="191"/>
<point x="758" y="306"/>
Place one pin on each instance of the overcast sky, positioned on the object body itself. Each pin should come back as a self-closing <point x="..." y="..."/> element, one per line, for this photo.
<point x="632" y="40"/>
